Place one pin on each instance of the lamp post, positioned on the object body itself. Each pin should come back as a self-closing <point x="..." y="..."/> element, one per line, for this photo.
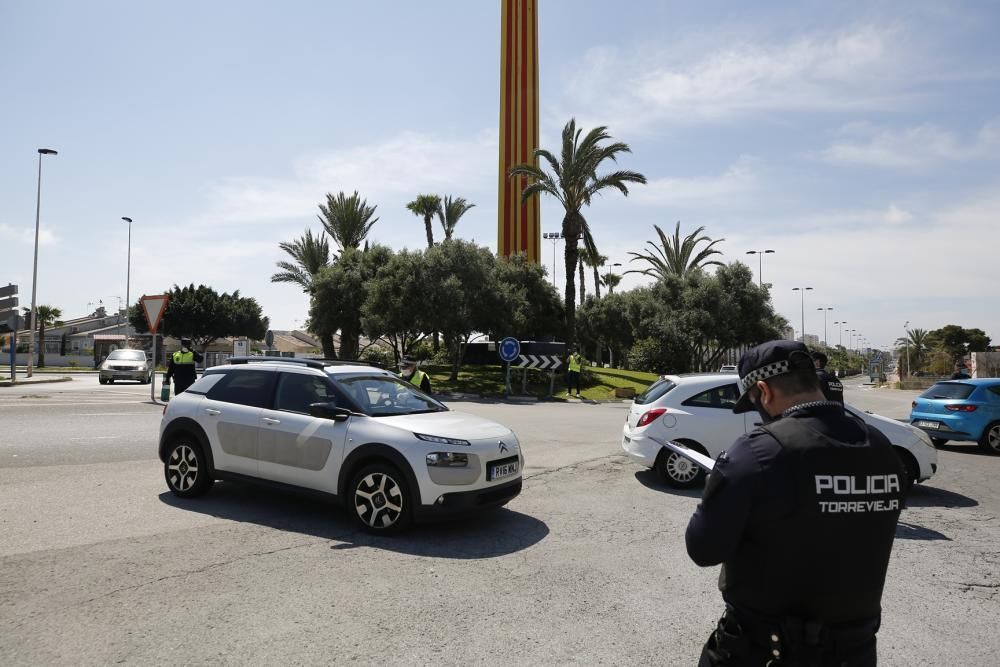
<point x="34" y="270"/>
<point x="760" y="263"/>
<point x="802" y="291"/>
<point x="906" y="343"/>
<point x="128" y="273"/>
<point x="554" y="237"/>
<point x="825" y="311"/>
<point x="840" y="333"/>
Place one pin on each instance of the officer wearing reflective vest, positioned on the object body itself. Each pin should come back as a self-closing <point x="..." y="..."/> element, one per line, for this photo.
<point x="801" y="512"/>
<point x="574" y="366"/>
<point x="831" y="387"/>
<point x="181" y="367"/>
<point x="409" y="372"/>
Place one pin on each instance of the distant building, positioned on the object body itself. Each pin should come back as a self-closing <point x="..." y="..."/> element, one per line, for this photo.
<point x="811" y="340"/>
<point x="788" y="333"/>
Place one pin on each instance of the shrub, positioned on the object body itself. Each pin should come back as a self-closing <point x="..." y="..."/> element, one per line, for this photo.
<point x="650" y="355"/>
<point x="421" y="351"/>
<point x="380" y="355"/>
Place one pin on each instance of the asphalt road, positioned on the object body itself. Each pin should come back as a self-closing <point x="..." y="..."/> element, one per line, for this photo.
<point x="99" y="564"/>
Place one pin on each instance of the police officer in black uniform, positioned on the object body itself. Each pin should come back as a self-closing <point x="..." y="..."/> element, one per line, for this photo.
<point x="831" y="387"/>
<point x="801" y="512"/>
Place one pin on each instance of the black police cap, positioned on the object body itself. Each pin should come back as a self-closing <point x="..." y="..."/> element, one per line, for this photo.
<point x="767" y="360"/>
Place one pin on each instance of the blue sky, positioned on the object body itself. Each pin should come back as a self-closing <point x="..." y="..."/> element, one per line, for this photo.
<point x="860" y="141"/>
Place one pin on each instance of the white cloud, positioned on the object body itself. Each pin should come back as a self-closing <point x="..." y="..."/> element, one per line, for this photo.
<point x="913" y="147"/>
<point x="739" y="179"/>
<point x="867" y="67"/>
<point x="27" y="235"/>
<point x="400" y="167"/>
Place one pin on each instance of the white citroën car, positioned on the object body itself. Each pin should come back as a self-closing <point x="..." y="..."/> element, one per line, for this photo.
<point x="385" y="450"/>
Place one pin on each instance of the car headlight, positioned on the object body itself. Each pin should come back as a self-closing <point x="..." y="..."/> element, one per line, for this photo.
<point x="448" y="459"/>
<point x="440" y="440"/>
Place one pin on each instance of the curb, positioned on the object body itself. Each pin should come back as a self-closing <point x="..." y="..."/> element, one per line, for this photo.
<point x="24" y="383"/>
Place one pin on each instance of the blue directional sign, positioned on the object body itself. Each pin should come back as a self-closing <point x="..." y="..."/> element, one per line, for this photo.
<point x="510" y="349"/>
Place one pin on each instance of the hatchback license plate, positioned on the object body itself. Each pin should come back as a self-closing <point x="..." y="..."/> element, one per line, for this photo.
<point x="502" y="469"/>
<point x="926" y="424"/>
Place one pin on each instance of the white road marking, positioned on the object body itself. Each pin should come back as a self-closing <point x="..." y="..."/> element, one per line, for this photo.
<point x="98" y="437"/>
<point x="108" y="414"/>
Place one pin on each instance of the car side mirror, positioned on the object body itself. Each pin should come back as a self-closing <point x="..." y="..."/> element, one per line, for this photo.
<point x="329" y="411"/>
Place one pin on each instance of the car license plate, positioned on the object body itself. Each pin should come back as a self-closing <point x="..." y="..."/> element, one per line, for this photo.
<point x="926" y="424"/>
<point x="502" y="469"/>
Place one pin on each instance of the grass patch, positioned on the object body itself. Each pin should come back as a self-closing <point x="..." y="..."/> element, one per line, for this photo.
<point x="598" y="383"/>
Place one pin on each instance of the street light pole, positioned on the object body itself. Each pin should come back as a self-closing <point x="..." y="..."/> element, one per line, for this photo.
<point x="760" y="263"/>
<point x="802" y="292"/>
<point x="128" y="274"/>
<point x="554" y="237"/>
<point x="825" y="310"/>
<point x="906" y="343"/>
<point x="34" y="270"/>
<point x="840" y="335"/>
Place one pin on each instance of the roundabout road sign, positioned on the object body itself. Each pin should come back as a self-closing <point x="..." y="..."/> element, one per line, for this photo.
<point x="509" y="349"/>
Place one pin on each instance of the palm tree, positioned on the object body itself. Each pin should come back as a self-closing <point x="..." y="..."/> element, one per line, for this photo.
<point x="594" y="260"/>
<point x="47" y="316"/>
<point x="611" y="281"/>
<point x="426" y="206"/>
<point x="573" y="183"/>
<point x="311" y="253"/>
<point x="450" y="213"/>
<point x="915" y="342"/>
<point x="347" y="219"/>
<point x="674" y="257"/>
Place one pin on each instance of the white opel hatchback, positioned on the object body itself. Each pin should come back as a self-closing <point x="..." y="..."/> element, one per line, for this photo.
<point x="388" y="452"/>
<point x="697" y="411"/>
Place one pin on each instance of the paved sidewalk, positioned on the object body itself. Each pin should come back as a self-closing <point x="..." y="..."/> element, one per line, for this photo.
<point x="36" y="379"/>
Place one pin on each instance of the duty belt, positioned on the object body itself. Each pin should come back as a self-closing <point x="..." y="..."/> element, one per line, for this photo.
<point x="793" y="635"/>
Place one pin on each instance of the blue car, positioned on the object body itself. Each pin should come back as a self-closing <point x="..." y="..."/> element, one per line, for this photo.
<point x="966" y="410"/>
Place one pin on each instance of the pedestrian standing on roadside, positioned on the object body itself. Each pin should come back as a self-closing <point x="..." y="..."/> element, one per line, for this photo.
<point x="831" y="387"/>
<point x="408" y="371"/>
<point x="181" y="367"/>
<point x="960" y="372"/>
<point x="801" y="512"/>
<point x="574" y="367"/>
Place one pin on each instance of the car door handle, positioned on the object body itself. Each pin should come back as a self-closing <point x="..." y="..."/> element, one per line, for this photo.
<point x="213" y="411"/>
<point x="268" y="420"/>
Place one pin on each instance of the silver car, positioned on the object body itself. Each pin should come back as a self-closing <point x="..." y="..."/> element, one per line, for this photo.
<point x="126" y="365"/>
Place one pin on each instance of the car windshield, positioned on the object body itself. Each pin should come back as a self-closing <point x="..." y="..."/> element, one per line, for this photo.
<point x="380" y="395"/>
<point x="655" y="391"/>
<point x="949" y="390"/>
<point x="127" y="355"/>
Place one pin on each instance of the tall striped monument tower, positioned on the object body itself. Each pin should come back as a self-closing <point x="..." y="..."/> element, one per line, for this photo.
<point x="518" y="226"/>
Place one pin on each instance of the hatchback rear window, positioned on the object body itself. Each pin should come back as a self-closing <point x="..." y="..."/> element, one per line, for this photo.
<point x="949" y="390"/>
<point x="656" y="390"/>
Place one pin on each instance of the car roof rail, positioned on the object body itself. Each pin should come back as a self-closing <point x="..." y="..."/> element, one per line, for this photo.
<point x="305" y="361"/>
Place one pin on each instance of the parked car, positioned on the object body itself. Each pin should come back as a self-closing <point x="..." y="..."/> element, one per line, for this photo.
<point x="696" y="410"/>
<point x="962" y="410"/>
<point x="387" y="451"/>
<point x="125" y="365"/>
<point x="728" y="368"/>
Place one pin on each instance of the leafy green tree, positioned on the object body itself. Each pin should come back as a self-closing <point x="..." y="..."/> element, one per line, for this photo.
<point x="340" y="294"/>
<point x="451" y="212"/>
<point x="462" y="297"/>
<point x="531" y="307"/>
<point x="955" y="341"/>
<point x="604" y="323"/>
<point x="203" y="315"/>
<point x="426" y="207"/>
<point x="347" y="219"/>
<point x="394" y="304"/>
<point x="573" y="181"/>
<point x="48" y="316"/>
<point x="595" y="260"/>
<point x="311" y="253"/>
<point x="674" y="256"/>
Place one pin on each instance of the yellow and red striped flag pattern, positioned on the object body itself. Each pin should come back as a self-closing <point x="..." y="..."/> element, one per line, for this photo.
<point x="518" y="225"/>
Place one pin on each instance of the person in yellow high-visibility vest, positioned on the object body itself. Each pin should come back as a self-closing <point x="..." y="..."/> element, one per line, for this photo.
<point x="181" y="367"/>
<point x="574" y="366"/>
<point x="409" y="372"/>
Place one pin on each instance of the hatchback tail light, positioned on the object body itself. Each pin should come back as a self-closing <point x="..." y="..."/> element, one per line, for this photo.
<point x="961" y="408"/>
<point x="650" y="416"/>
